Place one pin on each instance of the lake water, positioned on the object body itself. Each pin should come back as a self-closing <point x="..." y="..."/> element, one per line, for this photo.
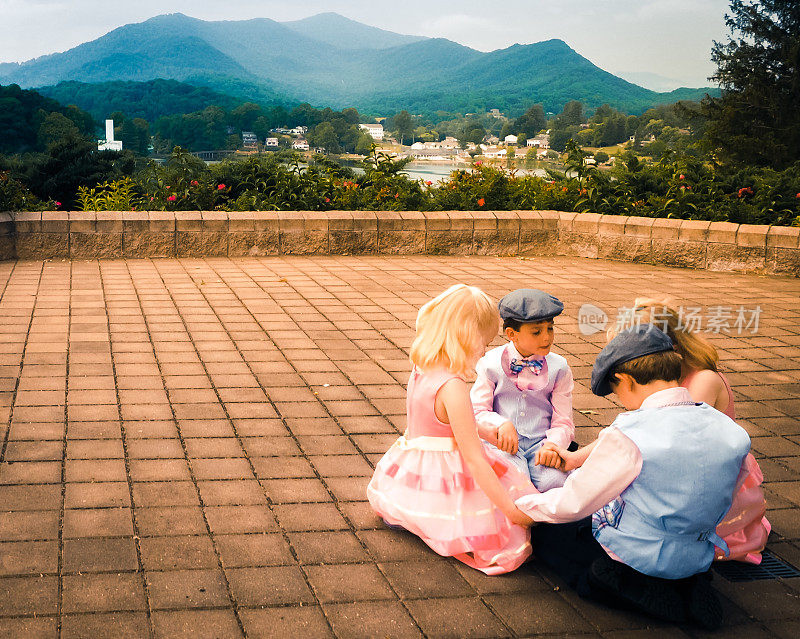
<point x="440" y="172"/>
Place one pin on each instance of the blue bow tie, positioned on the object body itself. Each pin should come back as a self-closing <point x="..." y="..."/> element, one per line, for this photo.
<point x="517" y="365"/>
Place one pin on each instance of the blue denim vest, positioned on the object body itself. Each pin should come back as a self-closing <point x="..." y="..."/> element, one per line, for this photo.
<point x="664" y="523"/>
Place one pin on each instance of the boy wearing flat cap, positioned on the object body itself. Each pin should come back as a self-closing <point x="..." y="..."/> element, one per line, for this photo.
<point x="522" y="395"/>
<point x="647" y="495"/>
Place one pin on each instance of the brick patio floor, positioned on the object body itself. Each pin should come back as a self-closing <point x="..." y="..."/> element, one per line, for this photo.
<point x="186" y="445"/>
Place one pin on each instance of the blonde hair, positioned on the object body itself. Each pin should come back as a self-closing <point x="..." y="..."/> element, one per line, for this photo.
<point x="450" y="328"/>
<point x="696" y="352"/>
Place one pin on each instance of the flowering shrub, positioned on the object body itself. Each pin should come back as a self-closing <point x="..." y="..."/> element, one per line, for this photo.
<point x="15" y="196"/>
<point x="677" y="186"/>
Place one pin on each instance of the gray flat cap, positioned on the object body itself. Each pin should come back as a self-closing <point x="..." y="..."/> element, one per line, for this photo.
<point x="634" y="342"/>
<point x="529" y="305"/>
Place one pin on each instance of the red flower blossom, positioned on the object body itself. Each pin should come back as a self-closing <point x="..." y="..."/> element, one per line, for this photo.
<point x="396" y="195"/>
<point x="584" y="191"/>
<point x="220" y="187"/>
<point x="564" y="189"/>
<point x="429" y="183"/>
<point x="688" y="188"/>
<point x="478" y="163"/>
<point x="172" y="198"/>
<point x="481" y="202"/>
<point x="798" y="196"/>
<point x="59" y="203"/>
<point x="745" y="190"/>
<point x="167" y="186"/>
<point x="681" y="176"/>
<point x="195" y="183"/>
<point x="327" y="200"/>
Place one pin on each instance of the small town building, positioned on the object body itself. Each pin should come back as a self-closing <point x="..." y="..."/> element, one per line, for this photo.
<point x="541" y="141"/>
<point x="271" y="143"/>
<point x="511" y="139"/>
<point x="300" y="144"/>
<point x="375" y="130"/>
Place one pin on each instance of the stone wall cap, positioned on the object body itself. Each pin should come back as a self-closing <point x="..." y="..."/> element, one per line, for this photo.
<point x="110" y="215"/>
<point x="784" y="236"/>
<point x="60" y="216"/>
<point x="665" y="228"/>
<point x="722" y="232"/>
<point x="214" y="215"/>
<point x="28" y="216"/>
<point x="82" y="216"/>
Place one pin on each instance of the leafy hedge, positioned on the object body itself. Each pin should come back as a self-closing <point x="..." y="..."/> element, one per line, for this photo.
<point x="677" y="186"/>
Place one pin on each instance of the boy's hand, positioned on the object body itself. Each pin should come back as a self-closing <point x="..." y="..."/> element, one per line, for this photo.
<point x="507" y="439"/>
<point x="551" y="455"/>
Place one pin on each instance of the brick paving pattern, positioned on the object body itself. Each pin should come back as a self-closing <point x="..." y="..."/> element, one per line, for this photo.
<point x="186" y="445"/>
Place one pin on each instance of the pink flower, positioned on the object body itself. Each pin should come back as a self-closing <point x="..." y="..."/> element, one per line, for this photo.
<point x="327" y="200"/>
<point x="688" y="188"/>
<point x="478" y="163"/>
<point x="172" y="198"/>
<point x="220" y="187"/>
<point x="59" y="203"/>
<point x="151" y="199"/>
<point x="195" y="183"/>
<point x="681" y="176"/>
<point x="683" y="188"/>
<point x="167" y="186"/>
<point x="481" y="202"/>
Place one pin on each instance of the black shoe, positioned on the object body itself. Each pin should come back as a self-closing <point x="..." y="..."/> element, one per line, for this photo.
<point x="615" y="582"/>
<point x="702" y="603"/>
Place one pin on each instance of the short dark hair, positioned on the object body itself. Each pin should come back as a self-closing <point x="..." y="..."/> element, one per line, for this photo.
<point x="517" y="324"/>
<point x="664" y="366"/>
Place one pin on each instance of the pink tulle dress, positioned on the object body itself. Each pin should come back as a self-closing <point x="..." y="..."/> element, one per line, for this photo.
<point x="423" y="484"/>
<point x="745" y="527"/>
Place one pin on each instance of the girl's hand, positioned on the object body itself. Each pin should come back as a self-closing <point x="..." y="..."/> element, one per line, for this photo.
<point x="520" y="518"/>
<point x="551" y="455"/>
<point x="507" y="438"/>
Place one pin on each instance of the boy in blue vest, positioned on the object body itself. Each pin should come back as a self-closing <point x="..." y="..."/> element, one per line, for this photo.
<point x="522" y="394"/>
<point x="647" y="495"/>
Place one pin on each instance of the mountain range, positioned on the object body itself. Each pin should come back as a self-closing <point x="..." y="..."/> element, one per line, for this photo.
<point x="329" y="60"/>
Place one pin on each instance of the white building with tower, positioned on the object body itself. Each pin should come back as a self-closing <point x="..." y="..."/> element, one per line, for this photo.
<point x="109" y="144"/>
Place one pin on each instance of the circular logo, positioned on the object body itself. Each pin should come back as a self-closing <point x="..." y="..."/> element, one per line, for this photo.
<point x="591" y="319"/>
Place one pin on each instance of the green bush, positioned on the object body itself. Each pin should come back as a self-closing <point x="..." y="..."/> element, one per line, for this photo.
<point x="677" y="186"/>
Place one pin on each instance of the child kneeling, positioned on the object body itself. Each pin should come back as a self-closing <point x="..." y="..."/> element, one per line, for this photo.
<point x="656" y="484"/>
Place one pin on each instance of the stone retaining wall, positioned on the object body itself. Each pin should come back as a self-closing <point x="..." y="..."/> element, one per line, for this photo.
<point x="716" y="246"/>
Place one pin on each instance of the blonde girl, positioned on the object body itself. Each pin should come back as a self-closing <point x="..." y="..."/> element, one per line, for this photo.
<point x="745" y="528"/>
<point x="439" y="481"/>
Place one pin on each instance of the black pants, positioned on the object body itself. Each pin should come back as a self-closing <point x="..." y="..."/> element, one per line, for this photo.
<point x="568" y="550"/>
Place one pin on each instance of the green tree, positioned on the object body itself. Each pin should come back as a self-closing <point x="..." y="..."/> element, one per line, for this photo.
<point x="324" y="136"/>
<point x="403" y="125"/>
<point x="757" y="117"/>
<point x="531" y="122"/>
<point x="572" y="114"/>
<point x="56" y="127"/>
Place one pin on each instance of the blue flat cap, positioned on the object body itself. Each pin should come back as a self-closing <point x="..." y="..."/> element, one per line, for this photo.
<point x="529" y="305"/>
<point x="634" y="342"/>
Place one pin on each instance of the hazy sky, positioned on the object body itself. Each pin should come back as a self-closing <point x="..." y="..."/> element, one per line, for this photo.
<point x="672" y="38"/>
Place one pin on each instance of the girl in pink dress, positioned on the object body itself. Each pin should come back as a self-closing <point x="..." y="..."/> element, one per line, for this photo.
<point x="745" y="528"/>
<point x="439" y="480"/>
